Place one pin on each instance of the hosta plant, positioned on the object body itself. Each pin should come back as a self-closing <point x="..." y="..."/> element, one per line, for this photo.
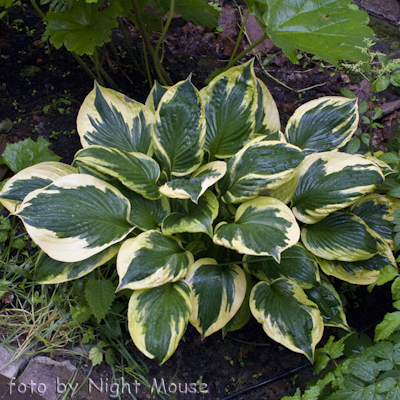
<point x="211" y="211"/>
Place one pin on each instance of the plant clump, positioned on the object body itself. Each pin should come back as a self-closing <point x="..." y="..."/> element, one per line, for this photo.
<point x="212" y="213"/>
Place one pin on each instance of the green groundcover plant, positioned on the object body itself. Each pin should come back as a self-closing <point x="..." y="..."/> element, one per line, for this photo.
<point x="212" y="213"/>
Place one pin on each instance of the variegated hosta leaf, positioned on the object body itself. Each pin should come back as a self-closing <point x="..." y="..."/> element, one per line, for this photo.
<point x="198" y="217"/>
<point x="359" y="272"/>
<point x="195" y="186"/>
<point x="263" y="227"/>
<point x="76" y="217"/>
<point x="243" y="315"/>
<point x="375" y="210"/>
<point x="154" y="97"/>
<point x="218" y="292"/>
<point x="285" y="192"/>
<point x="341" y="236"/>
<point x="287" y="315"/>
<point x="278" y="135"/>
<point x="146" y="214"/>
<point x="179" y="129"/>
<point x="386" y="168"/>
<point x="330" y="306"/>
<point x="49" y="271"/>
<point x="267" y="115"/>
<point x="332" y="181"/>
<point x="151" y="259"/>
<point x="323" y="124"/>
<point x="110" y="119"/>
<point x="29" y="179"/>
<point x="258" y="167"/>
<point x="158" y="318"/>
<point x="296" y="264"/>
<point x="230" y="101"/>
<point x="136" y="171"/>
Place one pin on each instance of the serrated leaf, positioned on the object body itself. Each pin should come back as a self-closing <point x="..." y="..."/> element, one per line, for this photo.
<point x="390" y="323"/>
<point x="95" y="356"/>
<point x="99" y="295"/>
<point x="110" y="357"/>
<point x="82" y="27"/>
<point x="381" y="83"/>
<point x="201" y="12"/>
<point x="330" y="29"/>
<point x="26" y="153"/>
<point x="396" y="289"/>
<point x="80" y="313"/>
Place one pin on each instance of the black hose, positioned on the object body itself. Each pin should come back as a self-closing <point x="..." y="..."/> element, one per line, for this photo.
<point x="281" y="376"/>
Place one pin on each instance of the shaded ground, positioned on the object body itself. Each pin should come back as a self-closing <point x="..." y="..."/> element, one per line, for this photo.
<point x="41" y="90"/>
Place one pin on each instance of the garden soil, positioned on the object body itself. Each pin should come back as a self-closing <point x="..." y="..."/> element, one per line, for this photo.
<point x="41" y="90"/>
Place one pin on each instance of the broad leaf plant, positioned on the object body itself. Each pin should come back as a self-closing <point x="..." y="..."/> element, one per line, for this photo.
<point x="212" y="211"/>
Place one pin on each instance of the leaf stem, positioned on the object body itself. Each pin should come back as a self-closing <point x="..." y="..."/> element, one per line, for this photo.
<point x="96" y="62"/>
<point x="240" y="35"/>
<point x="161" y="72"/>
<point x="83" y="65"/>
<point x="232" y="62"/>
<point x="38" y="10"/>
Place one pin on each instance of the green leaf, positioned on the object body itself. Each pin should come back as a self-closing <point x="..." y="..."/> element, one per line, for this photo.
<point x="296" y="264"/>
<point x="390" y="323"/>
<point x="395" y="78"/>
<point x="328" y="301"/>
<point x="194" y="187"/>
<point x="82" y="27"/>
<point x="287" y="315"/>
<point x="387" y="274"/>
<point x="95" y="356"/>
<point x="201" y="12"/>
<point x="341" y="236"/>
<point x="26" y="153"/>
<point x="218" y="292"/>
<point x="363" y="107"/>
<point x="263" y="226"/>
<point x="331" y="350"/>
<point x="29" y="179"/>
<point x="151" y="259"/>
<point x="99" y="294"/>
<point x="347" y="93"/>
<point x="257" y="168"/>
<point x="381" y="83"/>
<point x="353" y="146"/>
<point x="110" y="357"/>
<point x="196" y="218"/>
<point x="396" y="289"/>
<point x="158" y="319"/>
<point x="81" y="314"/>
<point x="230" y="102"/>
<point x="330" y="29"/>
<point x="136" y="171"/>
<point x="179" y="129"/>
<point x="49" y="271"/>
<point x="332" y="181"/>
<point x="76" y="217"/>
<point x="340" y="120"/>
<point x="110" y="119"/>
